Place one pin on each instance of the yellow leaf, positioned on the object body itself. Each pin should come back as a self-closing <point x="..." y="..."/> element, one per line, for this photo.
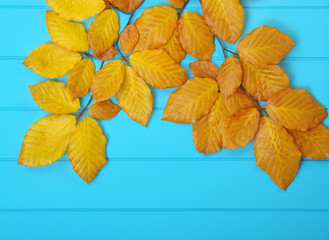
<point x="155" y="26"/>
<point x="207" y="132"/>
<point x="265" y="46"/>
<point x="174" y="48"/>
<point x="276" y="152"/>
<point x="135" y="97"/>
<point x="80" y="78"/>
<point x="195" y="36"/>
<point x="104" y="110"/>
<point x="158" y="69"/>
<point x="126" y="5"/>
<point x="191" y="101"/>
<point x="76" y="9"/>
<point x="240" y="128"/>
<point x="238" y="101"/>
<point x="263" y="81"/>
<point x="54" y="97"/>
<point x="224" y="17"/>
<point x="314" y="142"/>
<point x="295" y="109"/>
<point x="129" y="38"/>
<point x="51" y="61"/>
<point x="204" y="69"/>
<point x="176" y="3"/>
<point x="102" y="33"/>
<point x="87" y="149"/>
<point x="229" y="76"/>
<point x="107" y="81"/>
<point x="47" y="140"/>
<point x="65" y="33"/>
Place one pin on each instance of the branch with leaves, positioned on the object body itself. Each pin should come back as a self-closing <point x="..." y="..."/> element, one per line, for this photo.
<point x="221" y="103"/>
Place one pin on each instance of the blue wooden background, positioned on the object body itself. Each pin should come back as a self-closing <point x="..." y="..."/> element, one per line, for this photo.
<point x="155" y="185"/>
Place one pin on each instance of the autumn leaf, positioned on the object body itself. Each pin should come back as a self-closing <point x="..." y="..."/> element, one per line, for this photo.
<point x="102" y="33"/>
<point x="109" y="54"/>
<point x="104" y="110"/>
<point x="224" y="17"/>
<point x="240" y="128"/>
<point x="238" y="101"/>
<point x="80" y="78"/>
<point x="87" y="149"/>
<point x="107" y="81"/>
<point x="195" y="36"/>
<point x="135" y="97"/>
<point x="191" y="101"/>
<point x="295" y="109"/>
<point x="204" y="69"/>
<point x="155" y="27"/>
<point x="54" y="97"/>
<point x="66" y="34"/>
<point x="276" y="152"/>
<point x="174" y="48"/>
<point x="207" y="132"/>
<point x="158" y="69"/>
<point x="125" y="5"/>
<point x="77" y="10"/>
<point x="263" y="81"/>
<point x="129" y="38"/>
<point x="229" y="76"/>
<point x="314" y="142"/>
<point x="176" y="3"/>
<point x="51" y="61"/>
<point x="265" y="46"/>
<point x="47" y="140"/>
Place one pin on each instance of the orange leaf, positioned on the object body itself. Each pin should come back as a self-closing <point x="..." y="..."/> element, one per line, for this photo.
<point x="129" y="38"/>
<point x="109" y="54"/>
<point x="104" y="110"/>
<point x="174" y="48"/>
<point x="191" y="101"/>
<point x="265" y="46"/>
<point x="276" y="152"/>
<point x="240" y="128"/>
<point x="176" y="3"/>
<point x="204" y="69"/>
<point x="295" y="109"/>
<point x="313" y="143"/>
<point x="229" y="76"/>
<point x="238" y="101"/>
<point x="207" y="132"/>
<point x="126" y="5"/>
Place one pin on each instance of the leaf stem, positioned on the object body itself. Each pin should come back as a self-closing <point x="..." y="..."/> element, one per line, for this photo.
<point x="85" y="108"/>
<point x="222" y="46"/>
<point x="182" y="9"/>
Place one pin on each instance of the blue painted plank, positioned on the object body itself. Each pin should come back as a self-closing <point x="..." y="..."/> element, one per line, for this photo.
<point x="162" y="185"/>
<point x="165" y="225"/>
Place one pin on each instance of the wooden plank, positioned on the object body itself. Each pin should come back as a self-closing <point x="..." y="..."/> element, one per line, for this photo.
<point x="184" y="225"/>
<point x="162" y="185"/>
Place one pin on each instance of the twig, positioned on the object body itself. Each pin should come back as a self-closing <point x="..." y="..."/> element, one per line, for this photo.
<point x="133" y="12"/>
<point x="254" y="100"/>
<point x="235" y="54"/>
<point x="182" y="9"/>
<point x="221" y="44"/>
<point x="85" y="108"/>
<point x="88" y="54"/>
<point x="116" y="8"/>
<point x="101" y="65"/>
<point x="122" y="56"/>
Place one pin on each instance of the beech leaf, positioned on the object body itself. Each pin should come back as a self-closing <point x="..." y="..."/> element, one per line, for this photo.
<point x="174" y="48"/>
<point x="129" y="38"/>
<point x="204" y="69"/>
<point x="176" y="3"/>
<point x="126" y="5"/>
<point x="238" y="101"/>
<point x="104" y="110"/>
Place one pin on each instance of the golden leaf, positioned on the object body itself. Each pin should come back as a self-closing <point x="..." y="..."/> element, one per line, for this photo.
<point x="108" y="54"/>
<point x="314" y="142"/>
<point x="176" y="3"/>
<point x="191" y="101"/>
<point x="129" y="38"/>
<point x="87" y="149"/>
<point x="80" y="78"/>
<point x="174" y="48"/>
<point x="126" y="5"/>
<point x="158" y="69"/>
<point x="102" y="33"/>
<point x="155" y="27"/>
<point x="107" y="81"/>
<point x="207" y="132"/>
<point x="135" y="97"/>
<point x="263" y="81"/>
<point x="204" y="69"/>
<point x="229" y="76"/>
<point x="265" y="46"/>
<point x="77" y="9"/>
<point x="238" y="101"/>
<point x="195" y="36"/>
<point x="295" y="109"/>
<point x="54" y="97"/>
<point x="51" y="61"/>
<point x="240" y="128"/>
<point x="104" y="110"/>
<point x="276" y="152"/>
<point x="65" y="33"/>
<point x="47" y="140"/>
<point x="224" y="17"/>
